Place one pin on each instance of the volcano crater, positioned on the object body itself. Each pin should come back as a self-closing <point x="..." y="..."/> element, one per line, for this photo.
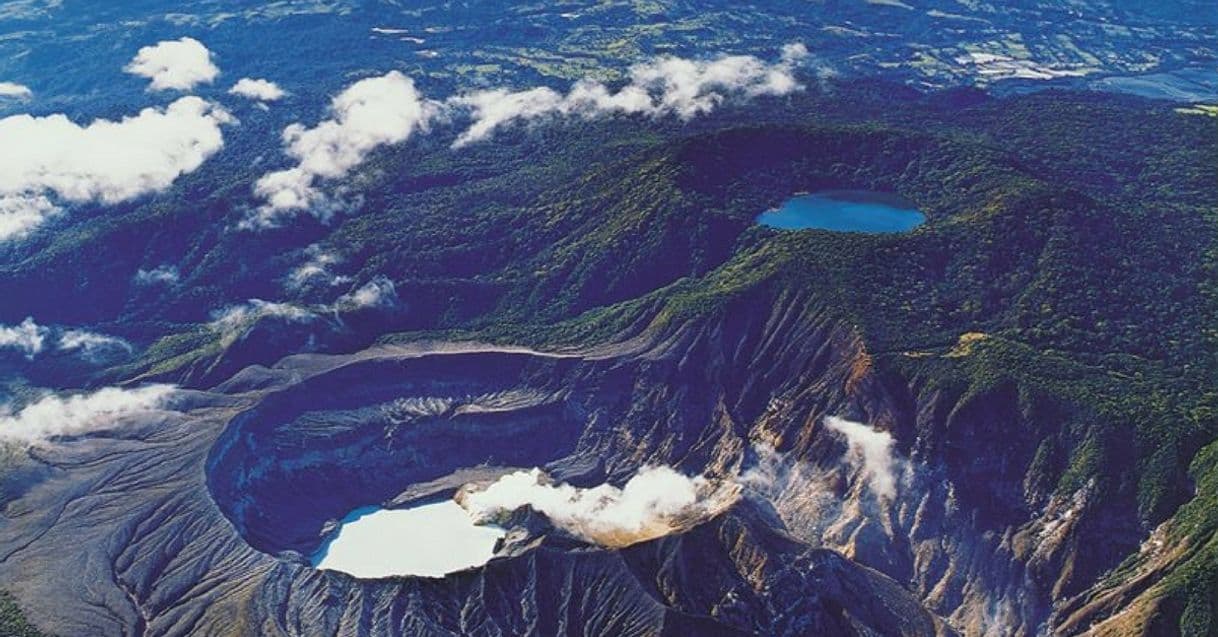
<point x="393" y="433"/>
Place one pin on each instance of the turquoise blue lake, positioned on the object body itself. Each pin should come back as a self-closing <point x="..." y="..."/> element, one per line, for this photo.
<point x="845" y="211"/>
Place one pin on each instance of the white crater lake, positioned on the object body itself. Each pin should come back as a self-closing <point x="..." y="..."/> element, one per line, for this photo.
<point x="429" y="540"/>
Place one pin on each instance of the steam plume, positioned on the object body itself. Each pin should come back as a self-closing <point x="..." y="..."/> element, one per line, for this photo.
<point x="873" y="449"/>
<point x="56" y="415"/>
<point x="651" y="504"/>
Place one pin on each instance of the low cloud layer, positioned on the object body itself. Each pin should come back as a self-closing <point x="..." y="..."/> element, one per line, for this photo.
<point x="317" y="269"/>
<point x="232" y="322"/>
<point x="160" y="275"/>
<point x="12" y="90"/>
<point x="21" y="213"/>
<point x="873" y="450"/>
<point x="370" y="113"/>
<point x="93" y="346"/>
<point x="379" y="292"/>
<point x="389" y="109"/>
<point x="107" y="161"/>
<point x="55" y="415"/>
<point x="256" y="89"/>
<point x="664" y="86"/>
<point x="174" y="65"/>
<point x="31" y="339"/>
<point x="27" y="337"/>
<point x="651" y="504"/>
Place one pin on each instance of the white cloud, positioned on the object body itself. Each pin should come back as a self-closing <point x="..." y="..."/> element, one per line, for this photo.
<point x="32" y="339"/>
<point x="370" y="113"/>
<point x="21" y="213"/>
<point x="317" y="267"/>
<point x="233" y="321"/>
<point x="255" y="89"/>
<point x="650" y="504"/>
<point x="55" y="415"/>
<point x="14" y="90"/>
<point x="873" y="449"/>
<point x="107" y="161"/>
<point x="494" y="108"/>
<point x="379" y="292"/>
<point x="664" y="86"/>
<point x="160" y="275"/>
<point x="174" y="64"/>
<point x="389" y="109"/>
<point x="93" y="346"/>
<point x="28" y="337"/>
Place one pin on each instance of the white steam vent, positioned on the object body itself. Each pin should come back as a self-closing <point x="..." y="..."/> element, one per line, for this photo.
<point x="655" y="502"/>
<point x="872" y="450"/>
